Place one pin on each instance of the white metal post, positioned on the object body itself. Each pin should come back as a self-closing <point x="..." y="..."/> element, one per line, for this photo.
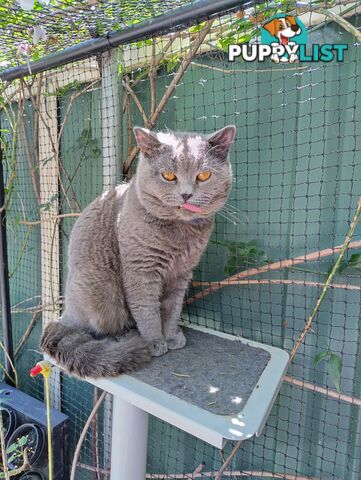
<point x="111" y="128"/>
<point x="129" y="441"/>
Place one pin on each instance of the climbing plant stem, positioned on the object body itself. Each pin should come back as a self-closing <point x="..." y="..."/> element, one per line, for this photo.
<point x="346" y="242"/>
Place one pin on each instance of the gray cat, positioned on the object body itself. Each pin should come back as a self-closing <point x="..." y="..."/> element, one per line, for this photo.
<point x="132" y="252"/>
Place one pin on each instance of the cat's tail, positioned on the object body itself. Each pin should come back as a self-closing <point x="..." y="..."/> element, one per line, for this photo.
<point x="83" y="355"/>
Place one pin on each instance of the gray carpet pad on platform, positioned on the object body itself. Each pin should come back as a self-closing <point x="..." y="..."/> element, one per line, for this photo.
<point x="211" y="372"/>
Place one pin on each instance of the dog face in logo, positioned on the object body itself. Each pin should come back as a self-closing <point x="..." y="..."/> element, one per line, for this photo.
<point x="283" y="28"/>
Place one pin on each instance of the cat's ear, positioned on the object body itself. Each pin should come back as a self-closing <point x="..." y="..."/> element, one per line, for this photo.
<point x="146" y="141"/>
<point x="221" y="140"/>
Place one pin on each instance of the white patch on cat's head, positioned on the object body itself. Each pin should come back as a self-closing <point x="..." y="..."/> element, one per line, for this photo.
<point x="171" y="140"/>
<point x="121" y="188"/>
<point x="195" y="146"/>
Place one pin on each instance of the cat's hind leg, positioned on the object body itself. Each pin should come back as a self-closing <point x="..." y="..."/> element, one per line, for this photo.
<point x="97" y="303"/>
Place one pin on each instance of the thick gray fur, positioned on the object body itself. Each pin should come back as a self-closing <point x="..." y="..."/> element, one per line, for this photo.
<point x="131" y="256"/>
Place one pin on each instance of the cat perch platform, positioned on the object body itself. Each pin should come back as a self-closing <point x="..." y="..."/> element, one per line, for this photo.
<point x="218" y="388"/>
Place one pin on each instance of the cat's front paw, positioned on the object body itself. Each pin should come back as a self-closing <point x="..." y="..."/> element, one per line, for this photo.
<point x="157" y="349"/>
<point x="179" y="341"/>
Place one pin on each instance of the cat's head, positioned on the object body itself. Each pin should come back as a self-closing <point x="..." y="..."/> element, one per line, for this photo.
<point x="183" y="175"/>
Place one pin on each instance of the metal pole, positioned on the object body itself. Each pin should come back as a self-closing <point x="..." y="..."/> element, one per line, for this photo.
<point x="111" y="128"/>
<point x="129" y="441"/>
<point x="178" y="18"/>
<point x="4" y="279"/>
<point x="111" y="118"/>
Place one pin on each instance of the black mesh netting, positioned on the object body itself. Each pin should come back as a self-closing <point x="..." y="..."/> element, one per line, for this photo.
<point x="67" y="137"/>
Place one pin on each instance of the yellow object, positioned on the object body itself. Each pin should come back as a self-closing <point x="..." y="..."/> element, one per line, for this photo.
<point x="44" y="368"/>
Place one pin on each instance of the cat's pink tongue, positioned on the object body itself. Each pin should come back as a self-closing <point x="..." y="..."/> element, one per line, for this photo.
<point x="192" y="208"/>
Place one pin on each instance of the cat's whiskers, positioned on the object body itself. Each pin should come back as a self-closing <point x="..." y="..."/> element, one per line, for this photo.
<point x="234" y="208"/>
<point x="226" y="218"/>
<point x="235" y="212"/>
<point x="230" y="215"/>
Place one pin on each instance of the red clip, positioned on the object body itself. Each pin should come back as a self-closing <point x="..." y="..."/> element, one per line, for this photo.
<point x="36" y="370"/>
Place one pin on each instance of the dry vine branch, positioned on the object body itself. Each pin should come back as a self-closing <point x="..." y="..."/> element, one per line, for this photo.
<point x="16" y="378"/>
<point x="56" y="149"/>
<point x="95" y="435"/>
<point x="271" y="267"/>
<point x="135" y="98"/>
<point x="129" y="123"/>
<point x="170" y="42"/>
<point x="280" y="281"/>
<point x="27" y="146"/>
<point x="344" y="248"/>
<point x="157" y="62"/>
<point x="324" y="391"/>
<point x="14" y="121"/>
<point x="245" y="70"/>
<point x="336" y="18"/>
<point x="37" y="109"/>
<point x="36" y="118"/>
<point x="181" y="71"/>
<point x="73" y="97"/>
<point x="30" y="164"/>
<point x="49" y="219"/>
<point x="170" y="89"/>
<point x="228" y="460"/>
<point x="83" y="434"/>
<point x="227" y="473"/>
<point x="85" y="466"/>
<point x="192" y="476"/>
<point x="26" y="335"/>
<point x="152" y="75"/>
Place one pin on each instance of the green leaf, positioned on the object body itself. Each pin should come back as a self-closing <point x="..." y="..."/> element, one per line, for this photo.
<point x="120" y="68"/>
<point x="355" y="261"/>
<point x="12" y="458"/>
<point x="242" y="255"/>
<point x="234" y="248"/>
<point x="36" y="55"/>
<point x="197" y="28"/>
<point x="243" y="38"/>
<point x="321" y="356"/>
<point x="231" y="266"/>
<point x="334" y="369"/>
<point x="12" y="448"/>
<point x="22" y="441"/>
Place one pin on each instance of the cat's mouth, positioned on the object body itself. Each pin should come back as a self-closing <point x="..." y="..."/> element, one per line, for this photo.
<point x="191" y="208"/>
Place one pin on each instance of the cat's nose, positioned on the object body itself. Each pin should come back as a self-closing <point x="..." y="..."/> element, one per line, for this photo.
<point x="186" y="196"/>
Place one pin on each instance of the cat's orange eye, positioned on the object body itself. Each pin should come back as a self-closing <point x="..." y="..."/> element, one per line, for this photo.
<point x="169" y="176"/>
<point x="203" y="176"/>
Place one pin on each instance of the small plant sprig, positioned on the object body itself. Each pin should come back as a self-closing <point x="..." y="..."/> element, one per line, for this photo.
<point x="18" y="449"/>
<point x="242" y="255"/>
<point x="334" y="365"/>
